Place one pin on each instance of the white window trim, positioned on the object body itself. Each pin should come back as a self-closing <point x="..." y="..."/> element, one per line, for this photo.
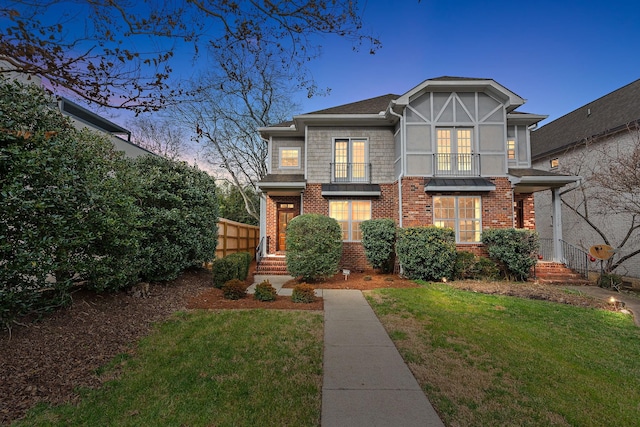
<point x="457" y="218"/>
<point x="350" y="216"/>
<point x="350" y="153"/>
<point x="281" y="149"/>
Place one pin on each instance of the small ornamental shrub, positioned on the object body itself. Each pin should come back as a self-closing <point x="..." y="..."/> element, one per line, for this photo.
<point x="379" y="240"/>
<point x="609" y="280"/>
<point x="223" y="270"/>
<point x="486" y="268"/>
<point x="242" y="260"/>
<point x="234" y="289"/>
<point x="465" y="266"/>
<point x="314" y="246"/>
<point x="303" y="293"/>
<point x="513" y="249"/>
<point x="427" y="253"/>
<point x="265" y="291"/>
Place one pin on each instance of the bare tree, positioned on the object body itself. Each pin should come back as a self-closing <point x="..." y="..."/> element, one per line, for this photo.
<point x="245" y="92"/>
<point x="120" y="53"/>
<point x="610" y="168"/>
<point x="159" y="135"/>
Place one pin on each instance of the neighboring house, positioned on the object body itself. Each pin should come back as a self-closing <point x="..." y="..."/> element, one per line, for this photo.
<point x="83" y="118"/>
<point x="580" y="142"/>
<point x="451" y="152"/>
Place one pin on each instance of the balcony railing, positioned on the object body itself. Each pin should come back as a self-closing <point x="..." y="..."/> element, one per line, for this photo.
<point x="456" y="164"/>
<point x="351" y="172"/>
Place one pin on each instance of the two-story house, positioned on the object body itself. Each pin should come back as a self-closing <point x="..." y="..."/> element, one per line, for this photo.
<point x="587" y="141"/>
<point x="451" y="152"/>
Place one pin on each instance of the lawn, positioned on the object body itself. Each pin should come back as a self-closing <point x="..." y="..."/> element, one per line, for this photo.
<point x="206" y="368"/>
<point x="487" y="360"/>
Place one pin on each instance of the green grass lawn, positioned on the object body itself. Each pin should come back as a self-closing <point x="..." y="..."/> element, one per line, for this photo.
<point x="203" y="368"/>
<point x="486" y="360"/>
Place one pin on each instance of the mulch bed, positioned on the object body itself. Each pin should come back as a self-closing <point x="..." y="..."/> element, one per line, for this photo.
<point x="45" y="361"/>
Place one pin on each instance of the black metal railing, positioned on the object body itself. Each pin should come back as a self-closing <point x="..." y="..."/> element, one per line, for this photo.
<point x="259" y="251"/>
<point x="351" y="172"/>
<point x="546" y="249"/>
<point x="575" y="258"/>
<point x="456" y="164"/>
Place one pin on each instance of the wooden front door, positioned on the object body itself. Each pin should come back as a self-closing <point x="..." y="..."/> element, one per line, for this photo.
<point x="285" y="214"/>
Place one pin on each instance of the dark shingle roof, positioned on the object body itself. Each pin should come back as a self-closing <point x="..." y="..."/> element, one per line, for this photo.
<point x="283" y="178"/>
<point x="607" y="114"/>
<point x="367" y="106"/>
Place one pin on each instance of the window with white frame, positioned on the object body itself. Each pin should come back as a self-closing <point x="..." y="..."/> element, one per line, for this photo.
<point x="454" y="146"/>
<point x="462" y="213"/>
<point x="350" y="160"/>
<point x="290" y="157"/>
<point x="349" y="214"/>
<point x="511" y="149"/>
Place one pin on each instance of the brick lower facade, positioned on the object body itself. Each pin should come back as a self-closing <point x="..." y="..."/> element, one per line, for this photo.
<point x="501" y="208"/>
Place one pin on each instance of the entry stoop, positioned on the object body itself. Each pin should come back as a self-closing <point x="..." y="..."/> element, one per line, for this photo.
<point x="557" y="274"/>
<point x="272" y="265"/>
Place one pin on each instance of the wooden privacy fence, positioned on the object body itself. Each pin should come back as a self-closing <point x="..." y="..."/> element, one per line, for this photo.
<point x="236" y="237"/>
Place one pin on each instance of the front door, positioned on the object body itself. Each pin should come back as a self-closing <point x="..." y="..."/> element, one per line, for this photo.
<point x="285" y="214"/>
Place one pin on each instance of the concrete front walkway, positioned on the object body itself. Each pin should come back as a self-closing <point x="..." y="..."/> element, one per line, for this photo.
<point x="366" y="382"/>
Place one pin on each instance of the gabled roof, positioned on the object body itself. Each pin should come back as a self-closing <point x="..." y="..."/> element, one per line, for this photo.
<point x="366" y="106"/>
<point x="606" y="115"/>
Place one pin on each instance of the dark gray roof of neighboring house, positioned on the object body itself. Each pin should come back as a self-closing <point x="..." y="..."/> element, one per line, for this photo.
<point x="605" y="115"/>
<point x="520" y="172"/>
<point x="366" y="106"/>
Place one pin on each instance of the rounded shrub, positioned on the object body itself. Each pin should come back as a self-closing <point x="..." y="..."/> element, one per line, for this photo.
<point x="314" y="246"/>
<point x="234" y="289"/>
<point x="265" y="291"/>
<point x="427" y="253"/>
<point x="513" y="249"/>
<point x="379" y="240"/>
<point x="303" y="293"/>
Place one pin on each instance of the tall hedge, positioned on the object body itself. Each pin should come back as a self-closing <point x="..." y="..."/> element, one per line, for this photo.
<point x="180" y="211"/>
<point x="314" y="246"/>
<point x="426" y="253"/>
<point x="379" y="242"/>
<point x="65" y="211"/>
<point x="513" y="249"/>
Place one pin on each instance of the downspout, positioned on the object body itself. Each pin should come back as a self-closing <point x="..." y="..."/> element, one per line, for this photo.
<point x="401" y="174"/>
<point x="263" y="202"/>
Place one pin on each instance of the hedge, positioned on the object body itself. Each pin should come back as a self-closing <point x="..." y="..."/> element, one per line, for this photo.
<point x="426" y="253"/>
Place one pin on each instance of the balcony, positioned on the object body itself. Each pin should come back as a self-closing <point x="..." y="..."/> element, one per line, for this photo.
<point x="351" y="173"/>
<point x="456" y="165"/>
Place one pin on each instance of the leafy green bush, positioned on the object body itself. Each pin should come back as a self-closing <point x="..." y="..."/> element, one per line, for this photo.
<point x="465" y="266"/>
<point x="379" y="240"/>
<point x="180" y="209"/>
<point x="513" y="249"/>
<point x="67" y="213"/>
<point x="223" y="270"/>
<point x="427" y="253"/>
<point x="303" y="293"/>
<point x="234" y="289"/>
<point x="314" y="246"/>
<point x="243" y="261"/>
<point x="486" y="268"/>
<point x="265" y="291"/>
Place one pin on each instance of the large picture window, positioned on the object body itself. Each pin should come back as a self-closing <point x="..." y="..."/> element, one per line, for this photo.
<point x="349" y="214"/>
<point x="462" y="213"/>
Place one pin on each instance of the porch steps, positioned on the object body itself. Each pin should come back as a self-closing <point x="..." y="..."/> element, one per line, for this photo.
<point x="557" y="274"/>
<point x="272" y="265"/>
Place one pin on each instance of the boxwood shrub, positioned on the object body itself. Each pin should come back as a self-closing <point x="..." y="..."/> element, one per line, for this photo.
<point x="314" y="246"/>
<point x="513" y="249"/>
<point x="379" y="242"/>
<point x="427" y="253"/>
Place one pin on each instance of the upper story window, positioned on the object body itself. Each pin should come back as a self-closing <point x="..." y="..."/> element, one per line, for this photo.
<point x="554" y="163"/>
<point x="350" y="156"/>
<point x="462" y="213"/>
<point x="289" y="157"/>
<point x="350" y="214"/>
<point x="511" y="149"/>
<point x="454" y="152"/>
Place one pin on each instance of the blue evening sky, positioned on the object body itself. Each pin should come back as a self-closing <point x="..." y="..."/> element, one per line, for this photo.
<point x="558" y="55"/>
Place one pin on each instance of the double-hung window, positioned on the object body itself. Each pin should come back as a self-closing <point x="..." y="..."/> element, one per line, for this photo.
<point x="349" y="214"/>
<point x="289" y="158"/>
<point x="454" y="151"/>
<point x="350" y="160"/>
<point x="462" y="213"/>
